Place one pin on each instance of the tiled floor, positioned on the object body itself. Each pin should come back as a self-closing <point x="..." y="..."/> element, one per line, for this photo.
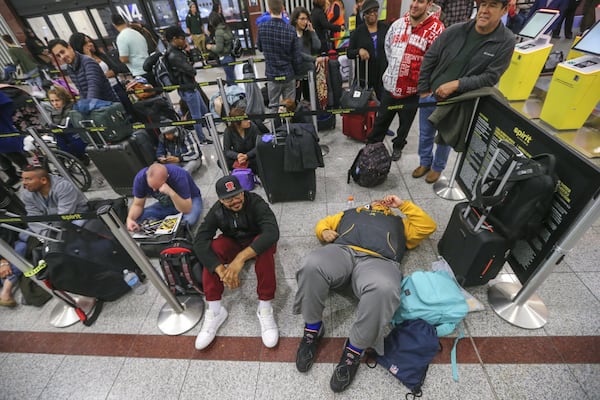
<point x="125" y="356"/>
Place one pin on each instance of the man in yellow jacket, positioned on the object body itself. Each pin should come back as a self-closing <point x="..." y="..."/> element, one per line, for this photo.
<point x="364" y="249"/>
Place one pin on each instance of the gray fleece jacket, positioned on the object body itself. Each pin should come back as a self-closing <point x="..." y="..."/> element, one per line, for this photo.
<point x="485" y="68"/>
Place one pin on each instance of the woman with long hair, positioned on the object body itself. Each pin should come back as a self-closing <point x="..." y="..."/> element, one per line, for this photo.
<point x="223" y="45"/>
<point x="310" y="46"/>
<point x="239" y="142"/>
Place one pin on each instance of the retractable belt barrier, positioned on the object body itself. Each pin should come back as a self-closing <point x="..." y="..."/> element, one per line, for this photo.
<point x="290" y="114"/>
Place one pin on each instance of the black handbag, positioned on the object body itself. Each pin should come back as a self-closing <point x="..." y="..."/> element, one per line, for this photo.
<point x="357" y="97"/>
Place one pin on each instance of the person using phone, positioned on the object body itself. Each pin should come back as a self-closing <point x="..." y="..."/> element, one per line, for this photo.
<point x="309" y="48"/>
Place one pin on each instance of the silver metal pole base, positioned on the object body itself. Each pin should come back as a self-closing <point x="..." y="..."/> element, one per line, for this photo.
<point x="533" y="314"/>
<point x="443" y="190"/>
<point x="172" y="323"/>
<point x="64" y="315"/>
<point x="324" y="149"/>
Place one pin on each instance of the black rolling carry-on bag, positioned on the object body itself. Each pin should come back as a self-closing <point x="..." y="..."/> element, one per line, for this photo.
<point x="280" y="185"/>
<point x="475" y="256"/>
<point x="119" y="163"/>
<point x="473" y="248"/>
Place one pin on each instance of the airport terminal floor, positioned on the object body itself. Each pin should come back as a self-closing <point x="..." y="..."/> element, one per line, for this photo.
<point x="124" y="355"/>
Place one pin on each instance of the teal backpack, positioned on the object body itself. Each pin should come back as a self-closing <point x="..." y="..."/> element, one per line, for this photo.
<point x="432" y="296"/>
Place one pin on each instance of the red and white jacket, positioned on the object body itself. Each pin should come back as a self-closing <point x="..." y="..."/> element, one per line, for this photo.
<point x="405" y="47"/>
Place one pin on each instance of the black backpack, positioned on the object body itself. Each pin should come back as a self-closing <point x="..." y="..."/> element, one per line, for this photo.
<point x="236" y="47"/>
<point x="371" y="165"/>
<point x="162" y="72"/>
<point x="181" y="268"/>
<point x="520" y="209"/>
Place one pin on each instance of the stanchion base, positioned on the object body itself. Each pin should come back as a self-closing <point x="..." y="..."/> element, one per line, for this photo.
<point x="533" y="314"/>
<point x="172" y="323"/>
<point x="443" y="190"/>
<point x="324" y="149"/>
<point x="64" y="315"/>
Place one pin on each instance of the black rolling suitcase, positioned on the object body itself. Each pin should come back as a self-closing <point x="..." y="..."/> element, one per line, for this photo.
<point x="475" y="256"/>
<point x="472" y="247"/>
<point x="280" y="185"/>
<point x="119" y="163"/>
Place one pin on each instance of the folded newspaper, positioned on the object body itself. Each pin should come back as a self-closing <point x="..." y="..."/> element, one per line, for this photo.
<point x="166" y="226"/>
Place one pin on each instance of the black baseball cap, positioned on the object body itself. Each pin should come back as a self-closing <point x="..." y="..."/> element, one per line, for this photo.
<point x="228" y="186"/>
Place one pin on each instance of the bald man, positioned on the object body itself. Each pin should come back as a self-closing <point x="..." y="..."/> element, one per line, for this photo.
<point x="172" y="187"/>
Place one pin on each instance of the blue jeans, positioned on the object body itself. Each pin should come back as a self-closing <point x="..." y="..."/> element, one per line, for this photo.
<point x="157" y="211"/>
<point x="427" y="132"/>
<point x="229" y="69"/>
<point x="197" y="109"/>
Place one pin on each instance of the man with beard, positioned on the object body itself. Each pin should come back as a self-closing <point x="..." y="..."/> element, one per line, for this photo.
<point x="465" y="57"/>
<point x="406" y="43"/>
<point x="248" y="231"/>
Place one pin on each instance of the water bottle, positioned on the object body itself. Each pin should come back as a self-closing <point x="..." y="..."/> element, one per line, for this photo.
<point x="350" y="203"/>
<point x="134" y="282"/>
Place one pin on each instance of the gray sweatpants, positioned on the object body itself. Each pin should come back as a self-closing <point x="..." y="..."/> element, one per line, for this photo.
<point x="278" y="91"/>
<point x="374" y="280"/>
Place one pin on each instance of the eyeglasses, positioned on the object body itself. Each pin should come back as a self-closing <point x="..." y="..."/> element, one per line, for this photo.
<point x="231" y="199"/>
<point x="371" y="11"/>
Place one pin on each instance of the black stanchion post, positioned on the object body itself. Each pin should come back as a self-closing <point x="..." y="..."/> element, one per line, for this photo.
<point x="174" y="318"/>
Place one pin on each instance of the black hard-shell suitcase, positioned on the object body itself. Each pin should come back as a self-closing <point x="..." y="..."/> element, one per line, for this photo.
<point x="475" y="256"/>
<point x="472" y="247"/>
<point x="119" y="163"/>
<point x="281" y="185"/>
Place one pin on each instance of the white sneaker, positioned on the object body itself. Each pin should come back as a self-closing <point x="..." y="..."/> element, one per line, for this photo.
<point x="268" y="326"/>
<point x="210" y="326"/>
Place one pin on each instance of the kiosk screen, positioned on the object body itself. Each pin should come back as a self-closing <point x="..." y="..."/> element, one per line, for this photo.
<point x="539" y="23"/>
<point x="590" y="42"/>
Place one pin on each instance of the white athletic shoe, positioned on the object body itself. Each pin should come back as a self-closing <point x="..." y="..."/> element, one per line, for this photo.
<point x="210" y="326"/>
<point x="268" y="326"/>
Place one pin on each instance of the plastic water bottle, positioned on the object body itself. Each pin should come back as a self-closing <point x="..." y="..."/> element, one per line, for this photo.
<point x="350" y="203"/>
<point x="134" y="282"/>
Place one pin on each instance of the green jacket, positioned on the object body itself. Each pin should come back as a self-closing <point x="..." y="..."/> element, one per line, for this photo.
<point x="223" y="41"/>
<point x="20" y="57"/>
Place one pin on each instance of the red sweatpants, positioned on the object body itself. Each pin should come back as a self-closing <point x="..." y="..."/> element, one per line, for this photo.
<point x="226" y="249"/>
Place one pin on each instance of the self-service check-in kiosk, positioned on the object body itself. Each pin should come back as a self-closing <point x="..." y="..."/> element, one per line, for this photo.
<point x="529" y="56"/>
<point x="575" y="87"/>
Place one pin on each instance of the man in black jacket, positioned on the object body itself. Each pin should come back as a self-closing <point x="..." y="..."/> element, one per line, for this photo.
<point x="183" y="73"/>
<point x="249" y="230"/>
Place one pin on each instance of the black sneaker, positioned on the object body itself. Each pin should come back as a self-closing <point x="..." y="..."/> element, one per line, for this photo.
<point x="396" y="154"/>
<point x="206" y="141"/>
<point x="308" y="348"/>
<point x="344" y="373"/>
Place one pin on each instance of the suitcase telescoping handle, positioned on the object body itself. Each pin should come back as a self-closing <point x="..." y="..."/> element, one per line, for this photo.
<point x="357" y="69"/>
<point x="514" y="154"/>
<point x="89" y="123"/>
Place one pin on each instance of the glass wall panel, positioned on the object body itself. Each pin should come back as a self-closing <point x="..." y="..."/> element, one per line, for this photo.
<point x="82" y="23"/>
<point x="40" y="27"/>
<point x="59" y="23"/>
<point x="101" y="23"/>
